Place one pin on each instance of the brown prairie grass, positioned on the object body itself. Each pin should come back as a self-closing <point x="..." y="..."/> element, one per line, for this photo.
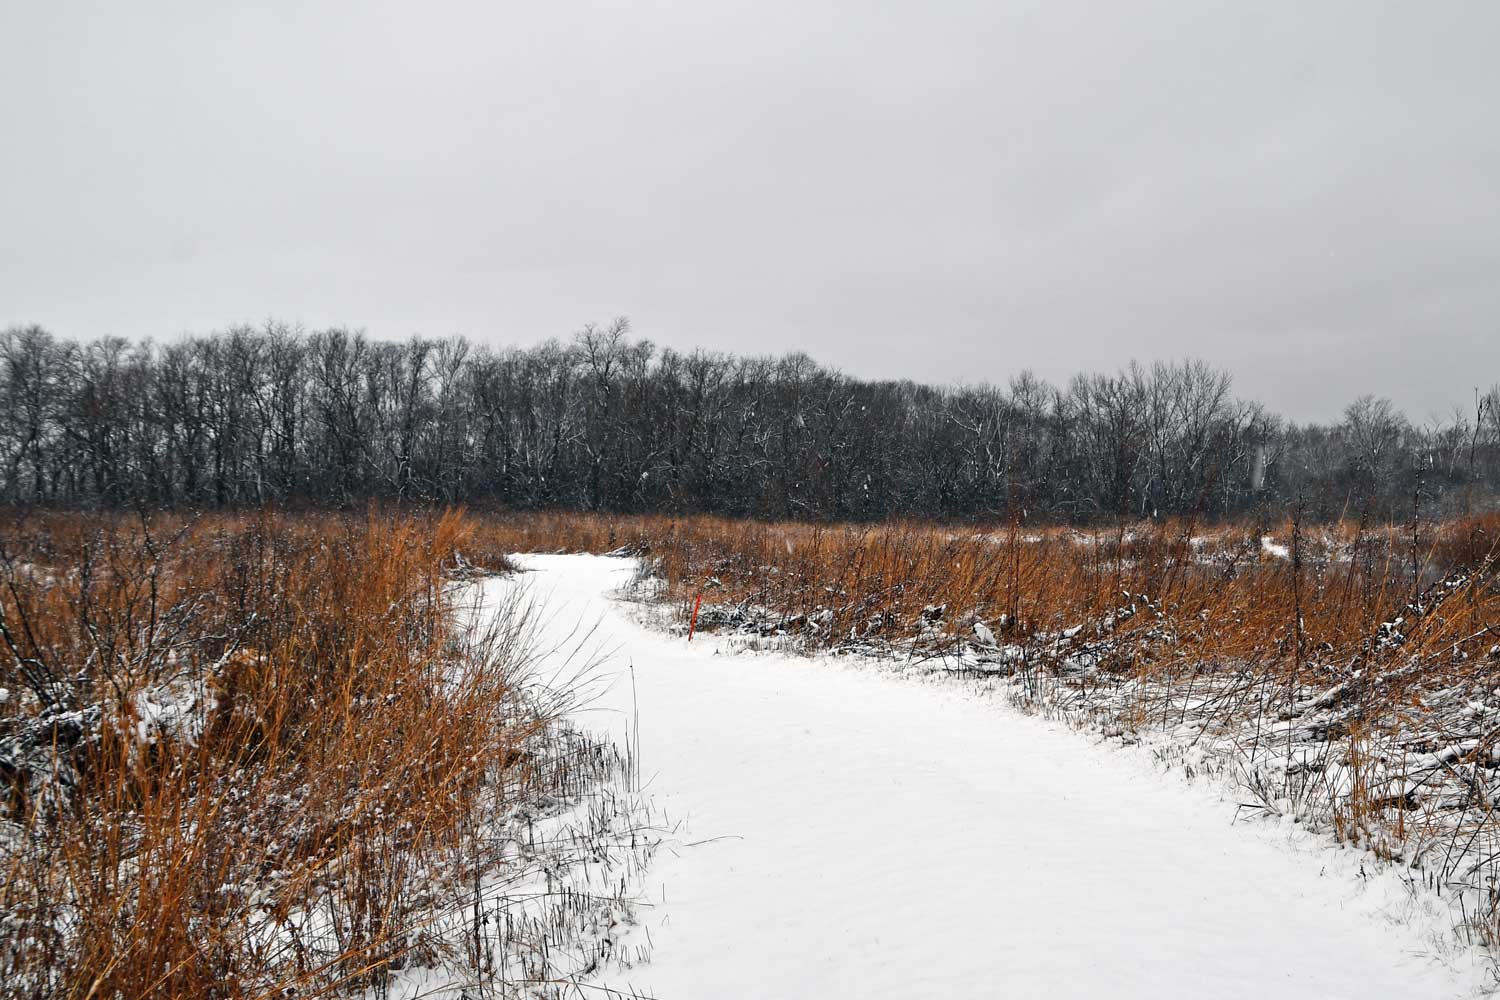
<point x="1245" y="583"/>
<point x="234" y="747"/>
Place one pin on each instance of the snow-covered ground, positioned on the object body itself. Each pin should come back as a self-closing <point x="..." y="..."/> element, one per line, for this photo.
<point x="850" y="833"/>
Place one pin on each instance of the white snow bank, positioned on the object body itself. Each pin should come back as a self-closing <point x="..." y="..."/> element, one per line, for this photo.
<point x="1274" y="549"/>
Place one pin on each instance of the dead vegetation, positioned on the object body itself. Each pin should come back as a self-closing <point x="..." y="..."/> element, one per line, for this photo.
<point x="247" y="754"/>
<point x="263" y="755"/>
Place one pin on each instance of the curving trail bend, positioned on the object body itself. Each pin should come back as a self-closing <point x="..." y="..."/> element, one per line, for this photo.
<point x="867" y="836"/>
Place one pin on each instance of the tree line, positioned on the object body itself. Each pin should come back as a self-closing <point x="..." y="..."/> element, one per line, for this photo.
<point x="603" y="421"/>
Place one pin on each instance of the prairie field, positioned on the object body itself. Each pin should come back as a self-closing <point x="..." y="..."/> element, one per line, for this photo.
<point x="270" y="755"/>
<point x="249" y="754"/>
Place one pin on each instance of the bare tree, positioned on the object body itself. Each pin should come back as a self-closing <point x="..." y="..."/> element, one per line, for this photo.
<point x="606" y="422"/>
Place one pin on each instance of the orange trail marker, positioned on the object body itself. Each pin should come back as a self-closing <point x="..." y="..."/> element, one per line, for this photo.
<point x="693" y="625"/>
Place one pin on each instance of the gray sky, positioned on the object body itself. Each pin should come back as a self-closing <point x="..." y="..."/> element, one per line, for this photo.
<point x="1305" y="193"/>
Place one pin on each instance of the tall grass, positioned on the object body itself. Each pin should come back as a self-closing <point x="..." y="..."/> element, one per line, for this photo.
<point x="877" y="581"/>
<point x="240" y="754"/>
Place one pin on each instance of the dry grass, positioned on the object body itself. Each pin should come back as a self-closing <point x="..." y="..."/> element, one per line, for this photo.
<point x="241" y="753"/>
<point x="246" y="754"/>
<point x="1346" y="579"/>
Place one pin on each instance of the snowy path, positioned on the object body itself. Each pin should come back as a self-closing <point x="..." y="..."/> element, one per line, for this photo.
<point x="885" y="838"/>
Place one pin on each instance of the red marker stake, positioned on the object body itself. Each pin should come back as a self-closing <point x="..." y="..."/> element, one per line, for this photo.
<point x="692" y="627"/>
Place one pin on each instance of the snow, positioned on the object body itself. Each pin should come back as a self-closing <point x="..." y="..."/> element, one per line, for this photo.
<point x="852" y="833"/>
<point x="1274" y="549"/>
<point x="177" y="708"/>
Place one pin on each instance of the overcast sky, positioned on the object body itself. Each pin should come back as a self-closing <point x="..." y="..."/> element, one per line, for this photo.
<point x="1306" y="193"/>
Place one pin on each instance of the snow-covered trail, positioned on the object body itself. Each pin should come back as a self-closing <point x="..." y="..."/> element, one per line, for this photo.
<point x="873" y="837"/>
